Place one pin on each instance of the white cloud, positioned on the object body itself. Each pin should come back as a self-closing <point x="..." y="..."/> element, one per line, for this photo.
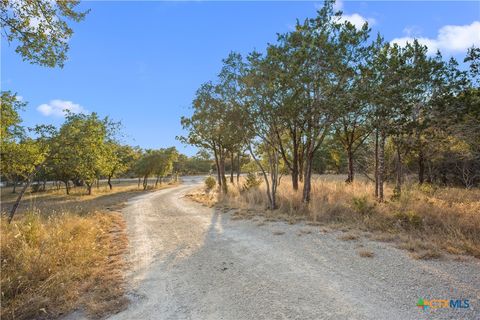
<point x="338" y="5"/>
<point x="357" y="20"/>
<point x="450" y="39"/>
<point x="58" y="108"/>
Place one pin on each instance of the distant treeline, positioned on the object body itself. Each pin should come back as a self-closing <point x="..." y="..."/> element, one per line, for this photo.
<point x="82" y="151"/>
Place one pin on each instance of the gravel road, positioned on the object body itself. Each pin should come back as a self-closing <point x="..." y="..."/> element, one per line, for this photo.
<point x="192" y="262"/>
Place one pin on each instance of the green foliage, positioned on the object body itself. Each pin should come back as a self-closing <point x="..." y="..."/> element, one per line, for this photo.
<point x="10" y="128"/>
<point x="194" y="165"/>
<point x="81" y="150"/>
<point x="251" y="182"/>
<point x="210" y="183"/>
<point x="40" y="28"/>
<point x="409" y="220"/>
<point x="363" y="206"/>
<point x="427" y="188"/>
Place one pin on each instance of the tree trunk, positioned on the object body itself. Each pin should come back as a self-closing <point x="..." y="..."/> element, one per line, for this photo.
<point x="274" y="178"/>
<point x="421" y="167"/>
<point x="398" y="180"/>
<point x="217" y="164"/>
<point x="109" y="181"/>
<point x="350" y="165"/>
<point x="381" y="165"/>
<point x="15" y="184"/>
<point x="222" y="172"/>
<point x="156" y="181"/>
<point x="376" y="164"/>
<point x="238" y="167"/>
<point x="300" y="163"/>
<point x="19" y="198"/>
<point x="265" y="177"/>
<point x="44" y="187"/>
<point x="307" y="181"/>
<point x="145" y="182"/>
<point x="231" y="169"/>
<point x="139" y="179"/>
<point x="89" y="188"/>
<point x="295" y="167"/>
<point x="67" y="186"/>
<point x="295" y="179"/>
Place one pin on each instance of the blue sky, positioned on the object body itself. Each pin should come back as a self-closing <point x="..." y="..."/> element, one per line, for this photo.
<point x="141" y="62"/>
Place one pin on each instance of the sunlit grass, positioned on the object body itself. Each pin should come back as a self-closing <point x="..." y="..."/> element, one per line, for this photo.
<point x="53" y="265"/>
<point x="442" y="217"/>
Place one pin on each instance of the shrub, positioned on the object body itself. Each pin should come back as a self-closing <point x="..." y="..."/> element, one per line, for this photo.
<point x="210" y="183"/>
<point x="362" y="206"/>
<point x="427" y="188"/>
<point x="409" y="220"/>
<point x="251" y="182"/>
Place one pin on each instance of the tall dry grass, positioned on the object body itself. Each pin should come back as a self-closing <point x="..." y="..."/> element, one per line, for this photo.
<point x="427" y="216"/>
<point x="50" y="266"/>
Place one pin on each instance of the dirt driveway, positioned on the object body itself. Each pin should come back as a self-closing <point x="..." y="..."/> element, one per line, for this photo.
<point x="192" y="262"/>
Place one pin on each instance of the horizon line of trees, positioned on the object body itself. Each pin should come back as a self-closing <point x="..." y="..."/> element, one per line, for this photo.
<point x="327" y="92"/>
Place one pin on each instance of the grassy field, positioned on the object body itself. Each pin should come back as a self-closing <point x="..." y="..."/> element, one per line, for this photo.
<point x="426" y="220"/>
<point x="64" y="252"/>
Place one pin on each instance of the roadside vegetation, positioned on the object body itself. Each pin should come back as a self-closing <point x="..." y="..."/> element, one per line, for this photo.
<point x="62" y="238"/>
<point x="52" y="266"/>
<point x="425" y="219"/>
<point x="329" y="98"/>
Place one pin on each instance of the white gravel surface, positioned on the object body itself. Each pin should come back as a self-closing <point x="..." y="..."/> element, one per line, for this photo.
<point x="192" y="262"/>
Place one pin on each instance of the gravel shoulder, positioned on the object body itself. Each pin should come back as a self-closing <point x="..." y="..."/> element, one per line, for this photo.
<point x="188" y="261"/>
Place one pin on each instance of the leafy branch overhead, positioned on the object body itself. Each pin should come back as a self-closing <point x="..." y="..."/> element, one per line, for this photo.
<point x="39" y="29"/>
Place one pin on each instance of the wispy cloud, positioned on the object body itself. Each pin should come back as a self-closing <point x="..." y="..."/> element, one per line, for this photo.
<point x="58" y="108"/>
<point x="357" y="20"/>
<point x="450" y="38"/>
<point x="338" y="5"/>
<point x="354" y="18"/>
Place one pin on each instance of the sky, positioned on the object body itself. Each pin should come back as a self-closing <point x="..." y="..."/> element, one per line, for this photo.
<point x="141" y="62"/>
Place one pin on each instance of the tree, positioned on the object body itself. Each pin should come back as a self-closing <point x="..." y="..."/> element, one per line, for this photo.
<point x="40" y="28"/>
<point x="353" y="127"/>
<point x="326" y="48"/>
<point x="207" y="127"/>
<point x="81" y="150"/>
<point x="120" y="158"/>
<point x="163" y="163"/>
<point x="10" y="134"/>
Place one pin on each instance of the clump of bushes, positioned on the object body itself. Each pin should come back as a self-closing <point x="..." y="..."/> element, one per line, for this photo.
<point x="363" y="206"/>
<point x="251" y="182"/>
<point x="427" y="188"/>
<point x="409" y="220"/>
<point x="210" y="183"/>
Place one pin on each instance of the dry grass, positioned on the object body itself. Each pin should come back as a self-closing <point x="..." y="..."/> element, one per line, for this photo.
<point x="62" y="253"/>
<point x="446" y="218"/>
<point x="206" y="198"/>
<point x="278" y="233"/>
<point x="365" y="253"/>
<point x="51" y="266"/>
